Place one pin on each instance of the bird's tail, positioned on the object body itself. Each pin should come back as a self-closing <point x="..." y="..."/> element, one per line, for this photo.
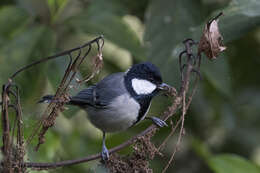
<point x="49" y="99"/>
<point x="46" y="99"/>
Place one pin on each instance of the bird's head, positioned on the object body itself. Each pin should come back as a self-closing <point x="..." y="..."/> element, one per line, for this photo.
<point x="144" y="79"/>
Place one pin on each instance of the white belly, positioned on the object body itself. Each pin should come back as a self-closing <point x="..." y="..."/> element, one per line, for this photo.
<point x="120" y="114"/>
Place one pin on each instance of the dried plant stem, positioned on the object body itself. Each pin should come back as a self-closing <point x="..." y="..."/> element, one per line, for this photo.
<point x="7" y="162"/>
<point x="169" y="135"/>
<point x="185" y="87"/>
<point x="180" y="135"/>
<point x="14" y="153"/>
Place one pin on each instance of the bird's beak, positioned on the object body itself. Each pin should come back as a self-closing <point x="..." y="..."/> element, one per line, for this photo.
<point x="164" y="87"/>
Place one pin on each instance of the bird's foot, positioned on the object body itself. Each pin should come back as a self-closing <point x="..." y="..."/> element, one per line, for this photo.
<point x="104" y="153"/>
<point x="158" y="121"/>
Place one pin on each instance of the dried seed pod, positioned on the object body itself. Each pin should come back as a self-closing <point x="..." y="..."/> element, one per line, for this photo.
<point x="97" y="62"/>
<point x="211" y="40"/>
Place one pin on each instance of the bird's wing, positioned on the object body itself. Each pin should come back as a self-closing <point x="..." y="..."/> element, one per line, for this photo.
<point x="84" y="97"/>
<point x="101" y="94"/>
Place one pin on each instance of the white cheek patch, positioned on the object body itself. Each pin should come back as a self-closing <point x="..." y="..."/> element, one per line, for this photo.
<point x="142" y="86"/>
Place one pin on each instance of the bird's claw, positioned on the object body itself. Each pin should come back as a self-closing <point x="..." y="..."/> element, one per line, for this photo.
<point x="158" y="122"/>
<point x="104" y="153"/>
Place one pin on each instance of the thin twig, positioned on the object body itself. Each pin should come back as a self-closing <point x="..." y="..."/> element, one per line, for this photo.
<point x="55" y="56"/>
<point x="13" y="155"/>
<point x="180" y="133"/>
<point x="169" y="135"/>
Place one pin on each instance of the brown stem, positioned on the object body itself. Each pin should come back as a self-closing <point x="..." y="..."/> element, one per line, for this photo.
<point x="56" y="56"/>
<point x="7" y="162"/>
<point x="13" y="155"/>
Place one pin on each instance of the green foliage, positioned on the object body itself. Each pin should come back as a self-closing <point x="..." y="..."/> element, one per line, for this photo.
<point x="187" y="22"/>
<point x="166" y="29"/>
<point x="11" y="19"/>
<point x="240" y="18"/>
<point x="110" y="23"/>
<point x="225" y="112"/>
<point x="228" y="163"/>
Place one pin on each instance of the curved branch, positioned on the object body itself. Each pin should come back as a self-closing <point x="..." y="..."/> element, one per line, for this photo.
<point x="57" y="56"/>
<point x="88" y="158"/>
<point x="171" y="110"/>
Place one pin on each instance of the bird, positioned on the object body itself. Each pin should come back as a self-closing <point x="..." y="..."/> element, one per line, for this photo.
<point x="120" y="100"/>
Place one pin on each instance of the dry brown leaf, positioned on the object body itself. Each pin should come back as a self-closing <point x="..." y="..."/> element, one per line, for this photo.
<point x="97" y="64"/>
<point x="211" y="40"/>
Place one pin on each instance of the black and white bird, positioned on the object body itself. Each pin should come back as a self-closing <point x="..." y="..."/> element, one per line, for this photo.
<point x="120" y="100"/>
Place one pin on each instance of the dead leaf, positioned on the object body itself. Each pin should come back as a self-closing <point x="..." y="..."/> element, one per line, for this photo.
<point x="211" y="42"/>
<point x="97" y="64"/>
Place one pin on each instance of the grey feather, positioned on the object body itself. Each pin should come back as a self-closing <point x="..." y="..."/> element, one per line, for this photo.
<point x="84" y="97"/>
<point x="108" y="104"/>
<point x="101" y="94"/>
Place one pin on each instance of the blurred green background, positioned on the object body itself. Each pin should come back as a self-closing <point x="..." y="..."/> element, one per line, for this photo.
<point x="223" y="123"/>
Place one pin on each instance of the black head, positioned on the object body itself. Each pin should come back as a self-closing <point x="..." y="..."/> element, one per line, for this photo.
<point x="143" y="79"/>
<point x="146" y="71"/>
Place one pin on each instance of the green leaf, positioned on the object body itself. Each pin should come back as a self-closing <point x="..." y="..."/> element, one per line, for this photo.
<point x="200" y="148"/>
<point x="239" y="18"/>
<point x="217" y="74"/>
<point x="36" y="8"/>
<point x="115" y="7"/>
<point x="24" y="48"/>
<point x="119" y="32"/>
<point x="28" y="46"/>
<point x="56" y="7"/>
<point x="229" y="163"/>
<point x="11" y="20"/>
<point x="166" y="28"/>
<point x="165" y="43"/>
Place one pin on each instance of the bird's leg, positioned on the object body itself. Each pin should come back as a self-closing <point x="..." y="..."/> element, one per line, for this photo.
<point x="157" y="121"/>
<point x="104" y="153"/>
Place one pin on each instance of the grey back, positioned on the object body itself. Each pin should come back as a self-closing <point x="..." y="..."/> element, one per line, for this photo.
<point x="101" y="94"/>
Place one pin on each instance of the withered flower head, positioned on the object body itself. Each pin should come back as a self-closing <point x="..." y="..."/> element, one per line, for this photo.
<point x="211" y="39"/>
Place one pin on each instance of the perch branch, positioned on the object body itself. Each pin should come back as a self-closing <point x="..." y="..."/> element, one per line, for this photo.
<point x="56" y="56"/>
